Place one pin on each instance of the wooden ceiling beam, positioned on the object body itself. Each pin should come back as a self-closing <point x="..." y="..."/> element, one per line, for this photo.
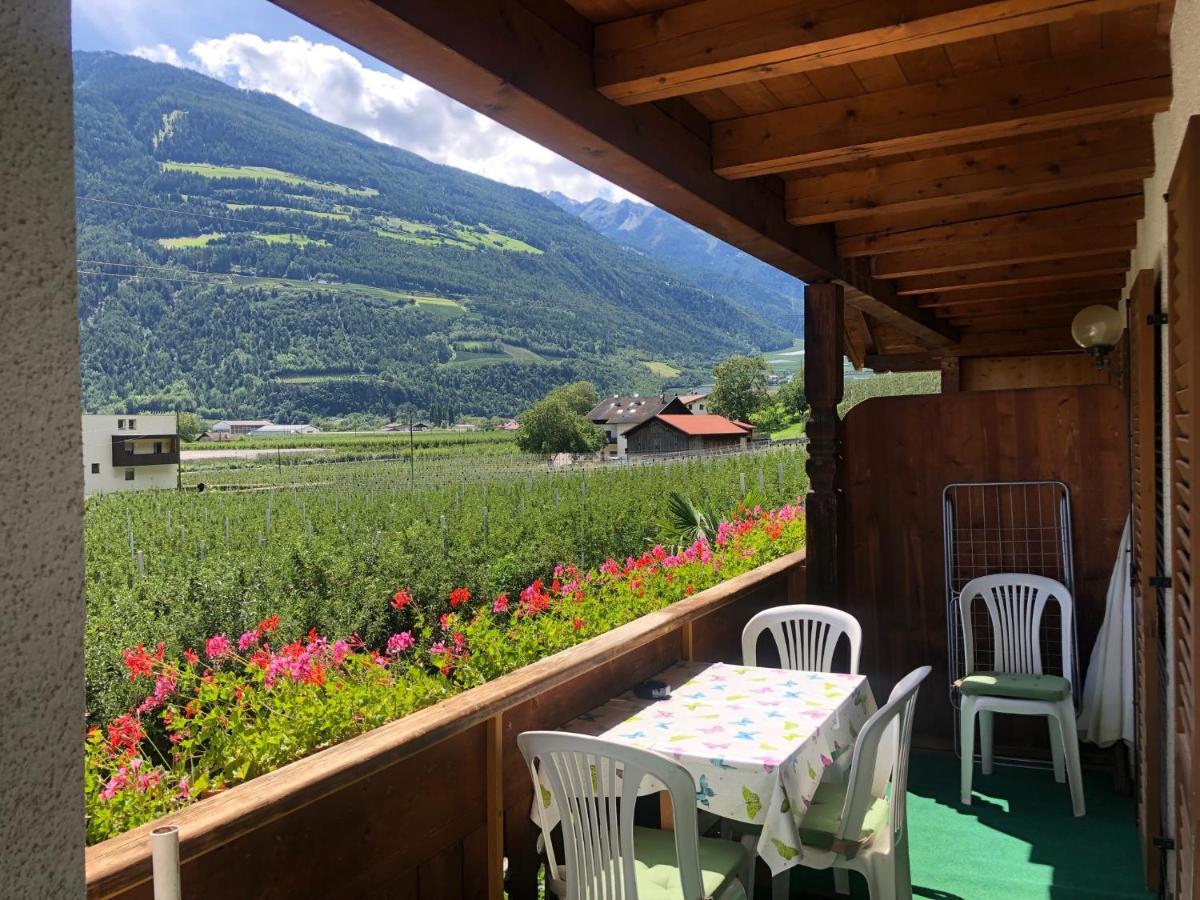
<point x="1102" y="287"/>
<point x="1045" y="95"/>
<point x="1022" y="273"/>
<point x="1094" y="241"/>
<point x="532" y="70"/>
<point x="712" y="44"/>
<point x="1016" y="342"/>
<point x="889" y="223"/>
<point x="1118" y="210"/>
<point x="1088" y="158"/>
<point x="1065" y="306"/>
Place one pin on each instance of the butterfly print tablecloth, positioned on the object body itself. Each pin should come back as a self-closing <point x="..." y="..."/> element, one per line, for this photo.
<point x="756" y="741"/>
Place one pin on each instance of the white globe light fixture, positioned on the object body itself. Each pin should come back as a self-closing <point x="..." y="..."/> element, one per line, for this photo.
<point x="1097" y="329"/>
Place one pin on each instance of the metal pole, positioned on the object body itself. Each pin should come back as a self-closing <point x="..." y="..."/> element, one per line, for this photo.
<point x="164" y="854"/>
<point x="412" y="456"/>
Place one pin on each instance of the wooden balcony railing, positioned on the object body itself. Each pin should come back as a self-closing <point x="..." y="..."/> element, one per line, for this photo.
<point x="430" y="805"/>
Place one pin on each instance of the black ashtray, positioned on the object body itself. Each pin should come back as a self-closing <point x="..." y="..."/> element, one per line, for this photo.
<point x="653" y="690"/>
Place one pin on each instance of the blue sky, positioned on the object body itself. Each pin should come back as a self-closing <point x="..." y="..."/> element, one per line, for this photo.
<point x="255" y="44"/>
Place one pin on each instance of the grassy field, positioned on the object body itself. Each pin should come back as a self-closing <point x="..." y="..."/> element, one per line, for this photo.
<point x="430" y="303"/>
<point x="457" y="235"/>
<point x="301" y="240"/>
<point x="263" y="173"/>
<point x="662" y="369"/>
<point x="317" y="214"/>
<point x="479" y="353"/>
<point x="194" y="240"/>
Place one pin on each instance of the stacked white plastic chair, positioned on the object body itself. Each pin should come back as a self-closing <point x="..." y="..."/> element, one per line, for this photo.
<point x="1017" y="684"/>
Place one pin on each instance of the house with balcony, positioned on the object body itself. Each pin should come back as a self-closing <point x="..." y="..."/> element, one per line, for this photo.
<point x="959" y="185"/>
<point x="129" y="453"/>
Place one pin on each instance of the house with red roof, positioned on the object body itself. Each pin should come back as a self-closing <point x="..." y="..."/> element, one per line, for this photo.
<point x="675" y="433"/>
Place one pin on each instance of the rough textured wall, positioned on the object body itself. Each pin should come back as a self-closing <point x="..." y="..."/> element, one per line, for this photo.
<point x="1169" y="129"/>
<point x="41" y="507"/>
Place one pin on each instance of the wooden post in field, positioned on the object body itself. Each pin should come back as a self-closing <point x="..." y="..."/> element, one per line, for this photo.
<point x="823" y="388"/>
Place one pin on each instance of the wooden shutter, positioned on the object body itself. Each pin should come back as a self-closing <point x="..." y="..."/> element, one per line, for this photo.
<point x="1183" y="285"/>
<point x="1143" y="484"/>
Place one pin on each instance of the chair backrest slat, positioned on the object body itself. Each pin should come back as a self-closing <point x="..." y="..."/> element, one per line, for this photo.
<point x="594" y="784"/>
<point x="879" y="765"/>
<point x="805" y="635"/>
<point x="1015" y="604"/>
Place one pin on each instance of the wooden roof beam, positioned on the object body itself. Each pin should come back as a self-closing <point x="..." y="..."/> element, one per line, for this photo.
<point x="717" y="43"/>
<point x="1115" y="211"/>
<point x="1088" y="158"/>
<point x="885" y="223"/>
<point x="1102" y="288"/>
<point x="1046" y="95"/>
<point x="533" y="72"/>
<point x="1094" y="241"/>
<point x="1022" y="273"/>
<point x="901" y="362"/>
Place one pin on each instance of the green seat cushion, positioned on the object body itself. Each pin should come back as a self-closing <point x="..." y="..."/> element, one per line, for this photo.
<point x="820" y="823"/>
<point x="658" y="873"/>
<point x="1018" y="686"/>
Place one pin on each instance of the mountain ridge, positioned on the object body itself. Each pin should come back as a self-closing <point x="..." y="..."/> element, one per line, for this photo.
<point x="750" y="283"/>
<point x="240" y="256"/>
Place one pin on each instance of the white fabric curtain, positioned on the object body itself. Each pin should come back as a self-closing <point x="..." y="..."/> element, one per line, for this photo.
<point x="1106" y="715"/>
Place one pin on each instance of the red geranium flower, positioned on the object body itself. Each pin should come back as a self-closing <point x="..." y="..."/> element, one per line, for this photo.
<point x="125" y="732"/>
<point x="269" y="624"/>
<point x="401" y="599"/>
<point x="459" y="596"/>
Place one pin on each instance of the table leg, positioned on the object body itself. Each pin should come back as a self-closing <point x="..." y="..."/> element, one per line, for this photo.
<point x="666" y="815"/>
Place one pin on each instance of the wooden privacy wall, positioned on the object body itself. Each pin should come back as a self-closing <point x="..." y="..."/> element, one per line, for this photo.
<point x="426" y="808"/>
<point x="900" y="452"/>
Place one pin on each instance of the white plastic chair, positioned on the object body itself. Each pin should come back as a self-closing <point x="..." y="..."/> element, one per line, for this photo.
<point x="806" y="636"/>
<point x="607" y="857"/>
<point x="1017" y="685"/>
<point x="864" y="821"/>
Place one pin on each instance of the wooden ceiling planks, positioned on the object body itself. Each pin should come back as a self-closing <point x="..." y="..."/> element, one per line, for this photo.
<point x="958" y="164"/>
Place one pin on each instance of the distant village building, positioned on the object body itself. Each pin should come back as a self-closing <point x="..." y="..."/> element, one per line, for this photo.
<point x="696" y="403"/>
<point x="672" y="433"/>
<point x="464" y="426"/>
<point x="619" y="415"/>
<point x="270" y="430"/>
<point x="403" y="426"/>
<point x="234" y="427"/>
<point x="511" y="425"/>
<point x="129" y="453"/>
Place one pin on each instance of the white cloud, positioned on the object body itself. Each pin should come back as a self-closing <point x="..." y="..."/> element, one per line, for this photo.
<point x="162" y="53"/>
<point x="393" y="108"/>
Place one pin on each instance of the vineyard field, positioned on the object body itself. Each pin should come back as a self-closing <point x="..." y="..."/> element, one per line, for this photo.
<point x="324" y="545"/>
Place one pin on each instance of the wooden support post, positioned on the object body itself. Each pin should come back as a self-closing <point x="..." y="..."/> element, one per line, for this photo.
<point x="951" y="374"/>
<point x="686" y="642"/>
<point x="495" y="807"/>
<point x="823" y="323"/>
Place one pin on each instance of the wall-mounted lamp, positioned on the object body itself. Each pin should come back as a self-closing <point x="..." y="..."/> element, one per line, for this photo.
<point x="1097" y="329"/>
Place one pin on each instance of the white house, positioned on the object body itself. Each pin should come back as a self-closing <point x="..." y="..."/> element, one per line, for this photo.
<point x="237" y="426"/>
<point x="129" y="453"/>
<point x="696" y="403"/>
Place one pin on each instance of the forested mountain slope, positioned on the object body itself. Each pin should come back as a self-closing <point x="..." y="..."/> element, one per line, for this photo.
<point x="750" y="283"/>
<point x="240" y="256"/>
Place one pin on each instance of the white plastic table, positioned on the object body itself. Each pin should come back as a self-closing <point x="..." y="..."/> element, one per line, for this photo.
<point x="757" y="742"/>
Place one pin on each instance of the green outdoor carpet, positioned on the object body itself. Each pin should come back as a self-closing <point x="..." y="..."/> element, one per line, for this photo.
<point x="1017" y="840"/>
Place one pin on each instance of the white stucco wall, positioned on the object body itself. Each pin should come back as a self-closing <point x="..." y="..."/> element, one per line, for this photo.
<point x="41" y="494"/>
<point x="98" y="432"/>
<point x="1169" y="128"/>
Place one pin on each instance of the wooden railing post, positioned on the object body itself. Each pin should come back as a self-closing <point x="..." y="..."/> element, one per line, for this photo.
<point x="495" y="807"/>
<point x="823" y="389"/>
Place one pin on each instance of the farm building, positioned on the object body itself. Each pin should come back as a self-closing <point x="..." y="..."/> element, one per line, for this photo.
<point x="617" y="415"/>
<point x="673" y="433"/>
<point x="129" y="453"/>
<point x="272" y="430"/>
<point x="235" y="427"/>
<point x="696" y="403"/>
